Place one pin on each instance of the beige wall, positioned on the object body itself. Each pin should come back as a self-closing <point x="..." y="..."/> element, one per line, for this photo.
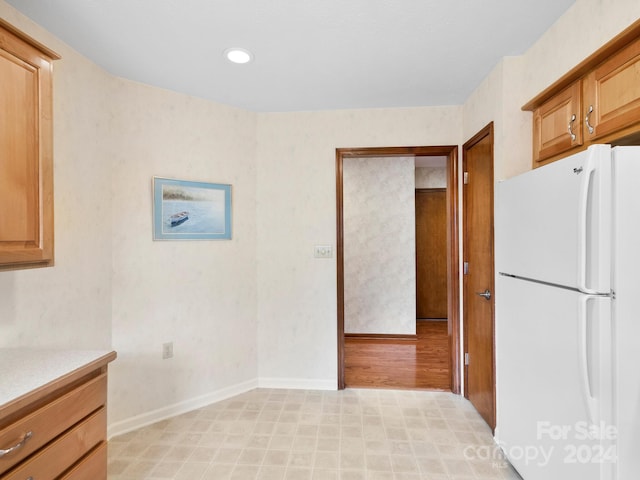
<point x="199" y="294"/>
<point x="69" y="304"/>
<point x="431" y="177"/>
<point x="586" y="26"/>
<point x="379" y="245"/>
<point x="113" y="286"/>
<point x="296" y="205"/>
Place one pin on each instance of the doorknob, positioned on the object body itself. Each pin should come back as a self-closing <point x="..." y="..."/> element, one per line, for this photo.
<point x="486" y="294"/>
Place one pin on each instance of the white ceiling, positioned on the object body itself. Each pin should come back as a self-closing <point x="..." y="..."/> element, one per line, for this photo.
<point x="309" y="55"/>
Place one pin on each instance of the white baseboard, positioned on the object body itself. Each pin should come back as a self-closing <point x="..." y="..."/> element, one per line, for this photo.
<point x="298" y="383"/>
<point x="142" y="420"/>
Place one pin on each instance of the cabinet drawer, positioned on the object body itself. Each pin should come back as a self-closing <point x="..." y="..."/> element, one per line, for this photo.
<point x="66" y="450"/>
<point x="48" y="422"/>
<point x="93" y="466"/>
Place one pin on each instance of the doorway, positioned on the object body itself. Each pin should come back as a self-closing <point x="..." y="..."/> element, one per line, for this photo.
<point x="450" y="350"/>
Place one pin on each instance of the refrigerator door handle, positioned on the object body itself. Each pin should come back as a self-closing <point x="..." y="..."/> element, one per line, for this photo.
<point x="583" y="361"/>
<point x="587" y="172"/>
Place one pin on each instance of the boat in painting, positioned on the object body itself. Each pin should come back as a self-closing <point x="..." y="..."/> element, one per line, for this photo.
<point x="178" y="218"/>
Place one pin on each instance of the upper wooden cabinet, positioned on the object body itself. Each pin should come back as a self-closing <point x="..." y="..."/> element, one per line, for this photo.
<point x="26" y="151"/>
<point x="557" y="123"/>
<point x="612" y="94"/>
<point x="596" y="102"/>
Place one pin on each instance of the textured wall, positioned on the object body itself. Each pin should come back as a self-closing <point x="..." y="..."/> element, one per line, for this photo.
<point x="379" y="245"/>
<point x="516" y="80"/>
<point x="431" y="177"/>
<point x="69" y="305"/>
<point x="291" y="202"/>
<point x="112" y="286"/>
<point x="296" y="204"/>
<point x="199" y="294"/>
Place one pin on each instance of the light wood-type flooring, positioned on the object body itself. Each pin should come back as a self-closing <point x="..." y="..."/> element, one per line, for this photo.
<point x="400" y="363"/>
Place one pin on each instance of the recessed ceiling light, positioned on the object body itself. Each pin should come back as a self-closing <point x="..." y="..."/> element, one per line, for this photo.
<point x="238" y="55"/>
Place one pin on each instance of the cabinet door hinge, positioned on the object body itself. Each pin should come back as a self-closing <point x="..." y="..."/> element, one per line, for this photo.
<point x="465" y="177"/>
<point x="465" y="268"/>
<point x="466" y="358"/>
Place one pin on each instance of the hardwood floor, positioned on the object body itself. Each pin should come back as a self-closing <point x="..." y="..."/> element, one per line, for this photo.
<point x="398" y="363"/>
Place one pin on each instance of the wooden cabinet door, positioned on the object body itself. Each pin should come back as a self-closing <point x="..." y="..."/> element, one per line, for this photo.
<point x="557" y="124"/>
<point x="26" y="164"/>
<point x="612" y="94"/>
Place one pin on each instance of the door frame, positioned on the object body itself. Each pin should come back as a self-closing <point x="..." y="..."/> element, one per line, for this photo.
<point x="453" y="269"/>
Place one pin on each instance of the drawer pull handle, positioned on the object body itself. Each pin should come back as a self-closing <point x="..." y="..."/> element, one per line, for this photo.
<point x="26" y="437"/>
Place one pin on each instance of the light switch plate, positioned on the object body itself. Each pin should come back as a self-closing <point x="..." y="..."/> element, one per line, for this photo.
<point x="323" y="251"/>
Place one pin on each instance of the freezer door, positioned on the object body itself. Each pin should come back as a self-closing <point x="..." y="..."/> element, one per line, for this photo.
<point x="554" y="394"/>
<point x="553" y="223"/>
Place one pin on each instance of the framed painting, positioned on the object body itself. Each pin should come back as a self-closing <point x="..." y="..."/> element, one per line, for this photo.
<point x="185" y="210"/>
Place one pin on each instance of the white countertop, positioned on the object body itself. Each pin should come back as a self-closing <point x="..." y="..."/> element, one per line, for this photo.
<point x="23" y="370"/>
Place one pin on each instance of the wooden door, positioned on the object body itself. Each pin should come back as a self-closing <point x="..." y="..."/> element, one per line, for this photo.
<point x="431" y="253"/>
<point x="478" y="278"/>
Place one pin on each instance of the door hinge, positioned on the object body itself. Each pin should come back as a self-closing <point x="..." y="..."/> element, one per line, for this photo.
<point x="466" y="358"/>
<point x="465" y="178"/>
<point x="465" y="268"/>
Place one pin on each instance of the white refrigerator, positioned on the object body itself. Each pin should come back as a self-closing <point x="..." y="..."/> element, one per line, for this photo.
<point x="567" y="243"/>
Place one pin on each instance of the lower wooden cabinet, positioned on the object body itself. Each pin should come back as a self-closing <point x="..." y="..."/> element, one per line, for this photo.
<point x="69" y="449"/>
<point x="91" y="467"/>
<point x="58" y="432"/>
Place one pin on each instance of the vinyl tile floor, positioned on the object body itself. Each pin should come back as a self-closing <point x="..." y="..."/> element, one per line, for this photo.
<point x="353" y="434"/>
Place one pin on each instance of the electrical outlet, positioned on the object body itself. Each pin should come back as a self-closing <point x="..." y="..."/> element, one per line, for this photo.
<point x="323" y="251"/>
<point x="167" y="350"/>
